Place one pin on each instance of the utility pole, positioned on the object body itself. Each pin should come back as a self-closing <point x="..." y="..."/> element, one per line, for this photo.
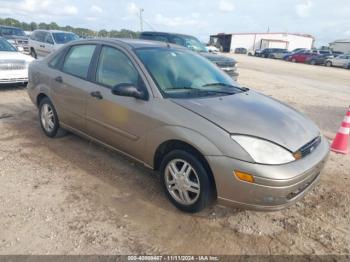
<point x="141" y="20"/>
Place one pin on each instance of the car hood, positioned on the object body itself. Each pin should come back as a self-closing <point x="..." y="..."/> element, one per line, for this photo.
<point x="219" y="59"/>
<point x="4" y="55"/>
<point x="17" y="37"/>
<point x="253" y="114"/>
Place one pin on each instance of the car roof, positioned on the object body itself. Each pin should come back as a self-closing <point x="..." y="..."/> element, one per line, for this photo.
<point x="12" y="27"/>
<point x="165" y="33"/>
<point x="130" y="43"/>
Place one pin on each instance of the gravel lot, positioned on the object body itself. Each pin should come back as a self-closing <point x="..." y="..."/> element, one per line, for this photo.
<point x="69" y="196"/>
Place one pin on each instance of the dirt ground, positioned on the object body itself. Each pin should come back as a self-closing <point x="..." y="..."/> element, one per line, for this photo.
<point x="69" y="196"/>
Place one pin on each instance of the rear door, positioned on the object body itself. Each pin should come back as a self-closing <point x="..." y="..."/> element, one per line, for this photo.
<point x="70" y="87"/>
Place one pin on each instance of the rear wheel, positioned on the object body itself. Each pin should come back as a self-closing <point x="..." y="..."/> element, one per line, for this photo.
<point x="186" y="181"/>
<point x="48" y="117"/>
<point x="328" y="63"/>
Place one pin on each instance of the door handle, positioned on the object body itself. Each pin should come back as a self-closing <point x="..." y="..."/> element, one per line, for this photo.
<point x="59" y="79"/>
<point x="97" y="94"/>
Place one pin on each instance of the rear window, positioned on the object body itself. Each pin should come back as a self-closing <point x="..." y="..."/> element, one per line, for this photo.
<point x="78" y="60"/>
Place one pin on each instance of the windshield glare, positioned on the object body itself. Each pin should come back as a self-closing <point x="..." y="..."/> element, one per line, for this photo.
<point x="12" y="31"/>
<point x="62" y="38"/>
<point x="183" y="74"/>
<point x="6" y="46"/>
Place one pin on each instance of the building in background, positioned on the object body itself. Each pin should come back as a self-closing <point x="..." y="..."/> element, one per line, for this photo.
<point x="253" y="41"/>
<point x="342" y="45"/>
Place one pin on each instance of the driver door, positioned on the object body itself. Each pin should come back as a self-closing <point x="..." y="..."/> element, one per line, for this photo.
<point x="118" y="121"/>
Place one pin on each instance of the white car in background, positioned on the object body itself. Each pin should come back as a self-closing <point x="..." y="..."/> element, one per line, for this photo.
<point x="339" y="61"/>
<point x="43" y="42"/>
<point x="13" y="64"/>
<point x="212" y="49"/>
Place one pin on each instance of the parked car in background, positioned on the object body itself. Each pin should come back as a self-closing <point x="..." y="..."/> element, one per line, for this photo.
<point x="278" y="53"/>
<point x="225" y="63"/>
<point x="268" y="51"/>
<point x="339" y="61"/>
<point x="212" y="49"/>
<point x="13" y="64"/>
<point x="177" y="113"/>
<point x="16" y="37"/>
<point x="240" y="50"/>
<point x="318" y="59"/>
<point x="43" y="42"/>
<point x="301" y="57"/>
<point x="336" y="53"/>
<point x="347" y="66"/>
<point x="295" y="51"/>
<point x="253" y="52"/>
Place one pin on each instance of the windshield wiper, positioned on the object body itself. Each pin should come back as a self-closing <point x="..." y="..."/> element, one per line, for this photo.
<point x="227" y="85"/>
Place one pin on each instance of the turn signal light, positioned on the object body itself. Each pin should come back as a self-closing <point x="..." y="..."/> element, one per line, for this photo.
<point x="244" y="176"/>
<point x="297" y="155"/>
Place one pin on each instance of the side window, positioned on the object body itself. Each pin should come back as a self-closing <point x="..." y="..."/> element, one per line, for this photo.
<point x="49" y="39"/>
<point x="78" y="60"/>
<point x="40" y="36"/>
<point x="54" y="63"/>
<point x="114" y="68"/>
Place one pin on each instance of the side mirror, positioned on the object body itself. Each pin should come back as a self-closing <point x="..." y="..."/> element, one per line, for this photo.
<point x="125" y="89"/>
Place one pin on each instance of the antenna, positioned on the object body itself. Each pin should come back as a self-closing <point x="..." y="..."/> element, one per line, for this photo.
<point x="141" y="20"/>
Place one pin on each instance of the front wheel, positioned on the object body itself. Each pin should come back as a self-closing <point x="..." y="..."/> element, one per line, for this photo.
<point x="186" y="182"/>
<point x="328" y="63"/>
<point x="48" y="117"/>
<point x="33" y="53"/>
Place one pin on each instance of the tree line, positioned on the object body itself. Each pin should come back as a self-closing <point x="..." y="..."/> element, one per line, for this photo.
<point x="82" y="32"/>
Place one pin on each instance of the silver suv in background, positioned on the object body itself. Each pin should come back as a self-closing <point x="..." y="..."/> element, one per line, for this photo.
<point x="43" y="42"/>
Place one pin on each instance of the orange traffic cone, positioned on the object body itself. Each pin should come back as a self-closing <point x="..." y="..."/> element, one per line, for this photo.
<point x="341" y="141"/>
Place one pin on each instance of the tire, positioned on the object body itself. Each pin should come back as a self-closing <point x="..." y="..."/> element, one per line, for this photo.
<point x="33" y="53"/>
<point x="312" y="62"/>
<point x="197" y="175"/>
<point x="329" y="63"/>
<point x="48" y="117"/>
<point x="294" y="60"/>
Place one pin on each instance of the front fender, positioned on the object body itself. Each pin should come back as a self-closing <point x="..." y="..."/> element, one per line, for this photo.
<point x="158" y="136"/>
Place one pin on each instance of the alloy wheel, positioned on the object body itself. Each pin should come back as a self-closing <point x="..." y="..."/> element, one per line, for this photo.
<point x="182" y="181"/>
<point x="47" y="118"/>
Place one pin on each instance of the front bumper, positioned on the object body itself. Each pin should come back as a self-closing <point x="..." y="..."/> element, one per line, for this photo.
<point x="275" y="187"/>
<point x="231" y="71"/>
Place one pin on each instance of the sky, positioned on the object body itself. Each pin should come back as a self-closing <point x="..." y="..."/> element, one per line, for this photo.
<point x="325" y="20"/>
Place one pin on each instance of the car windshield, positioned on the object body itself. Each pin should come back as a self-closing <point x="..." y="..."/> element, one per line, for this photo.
<point x="184" y="74"/>
<point x="194" y="44"/>
<point x="62" y="38"/>
<point x="12" y="31"/>
<point x="6" y="46"/>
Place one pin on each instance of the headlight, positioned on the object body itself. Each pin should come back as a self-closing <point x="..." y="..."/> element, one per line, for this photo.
<point x="264" y="152"/>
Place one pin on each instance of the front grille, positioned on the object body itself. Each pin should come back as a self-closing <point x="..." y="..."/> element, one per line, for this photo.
<point x="22" y="42"/>
<point x="310" y="147"/>
<point x="225" y="64"/>
<point x="12" y="65"/>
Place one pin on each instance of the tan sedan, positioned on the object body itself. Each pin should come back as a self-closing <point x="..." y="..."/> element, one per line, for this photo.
<point x="178" y="113"/>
